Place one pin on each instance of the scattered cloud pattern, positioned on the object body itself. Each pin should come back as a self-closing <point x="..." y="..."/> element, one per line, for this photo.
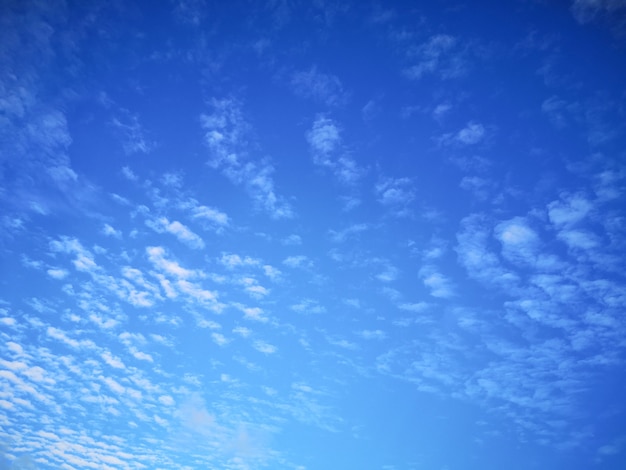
<point x="234" y="235"/>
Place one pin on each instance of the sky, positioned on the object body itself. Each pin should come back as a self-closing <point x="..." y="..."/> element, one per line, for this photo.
<point x="306" y="235"/>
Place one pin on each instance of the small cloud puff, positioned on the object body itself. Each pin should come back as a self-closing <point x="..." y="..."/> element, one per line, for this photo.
<point x="226" y="138"/>
<point x="396" y="193"/>
<point x="219" y="339"/>
<point x="515" y="232"/>
<point x="212" y="215"/>
<point x="264" y="347"/>
<point x="326" y="88"/>
<point x="439" y="285"/>
<point x="372" y="334"/>
<point x="586" y="10"/>
<point x="323" y="138"/>
<point x="182" y="232"/>
<point x="324" y="141"/>
<point x="57" y="273"/>
<point x="292" y="239"/>
<point x="308" y="306"/>
<point x="111" y="232"/>
<point x="231" y="260"/>
<point x="520" y="243"/>
<point x="299" y="261"/>
<point x="437" y="56"/>
<point x="156" y="255"/>
<point x="569" y="210"/>
<point x="471" y="134"/>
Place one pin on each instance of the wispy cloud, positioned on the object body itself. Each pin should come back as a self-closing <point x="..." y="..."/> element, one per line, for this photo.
<point x="322" y="87"/>
<point x="472" y="134"/>
<point x="439" y="55"/>
<point x="325" y="143"/>
<point x="156" y="255"/>
<point x="180" y="231"/>
<point x="226" y="136"/>
<point x="587" y="10"/>
<point x="308" y="306"/>
<point x="372" y="334"/>
<point x="520" y="243"/>
<point x="438" y="284"/>
<point x="211" y="214"/>
<point x="132" y="133"/>
<point x="570" y="209"/>
<point x="396" y="194"/>
<point x="298" y="261"/>
<point x="232" y="260"/>
<point x="265" y="348"/>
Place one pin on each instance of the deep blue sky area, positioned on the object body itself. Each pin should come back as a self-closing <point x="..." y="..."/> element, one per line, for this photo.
<point x="312" y="235"/>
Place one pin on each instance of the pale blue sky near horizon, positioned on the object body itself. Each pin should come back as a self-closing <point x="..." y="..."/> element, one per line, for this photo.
<point x="312" y="235"/>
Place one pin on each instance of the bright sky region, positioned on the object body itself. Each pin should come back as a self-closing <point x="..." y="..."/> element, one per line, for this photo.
<point x="312" y="235"/>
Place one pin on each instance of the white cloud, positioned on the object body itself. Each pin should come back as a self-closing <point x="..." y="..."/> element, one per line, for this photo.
<point x="560" y="112"/>
<point x="111" y="232"/>
<point x="133" y="135"/>
<point x="113" y="361"/>
<point x="8" y="321"/>
<point x="479" y="187"/>
<point x="57" y="273"/>
<point x="342" y="343"/>
<point x="395" y="191"/>
<point x="323" y="139"/>
<point x="372" y="334"/>
<point x="156" y="255"/>
<point x="471" y="134"/>
<point x="520" y="243"/>
<point x="226" y="134"/>
<point x="196" y="292"/>
<point x="298" y="261"/>
<point x="129" y="174"/>
<point x="476" y="255"/>
<point x="326" y="88"/>
<point x="62" y="336"/>
<point x="515" y="232"/>
<point x="180" y="231"/>
<point x="439" y="55"/>
<point x="414" y="307"/>
<point x="242" y="331"/>
<point x="586" y="10"/>
<point x="219" y="339"/>
<point x="308" y="306"/>
<point x="84" y="260"/>
<point x="212" y="215"/>
<point x="441" y="110"/>
<point x="397" y="194"/>
<point x="231" y="260"/>
<point x="210" y="324"/>
<point x="264" y="347"/>
<point x="571" y="209"/>
<point x="292" y="239"/>
<point x="370" y="110"/>
<point x="439" y="284"/>
<point x="343" y="235"/>
<point x="257" y="291"/>
<point x="271" y="272"/>
<point x="252" y="313"/>
<point x="580" y="239"/>
<point x="389" y="274"/>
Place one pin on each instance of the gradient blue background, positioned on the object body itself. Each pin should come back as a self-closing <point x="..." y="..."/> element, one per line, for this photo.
<point x="312" y="235"/>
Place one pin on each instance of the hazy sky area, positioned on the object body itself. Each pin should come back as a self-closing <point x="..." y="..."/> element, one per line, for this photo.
<point x="313" y="235"/>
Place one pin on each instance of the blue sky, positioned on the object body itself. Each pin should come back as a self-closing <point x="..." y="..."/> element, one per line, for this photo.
<point x="312" y="235"/>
